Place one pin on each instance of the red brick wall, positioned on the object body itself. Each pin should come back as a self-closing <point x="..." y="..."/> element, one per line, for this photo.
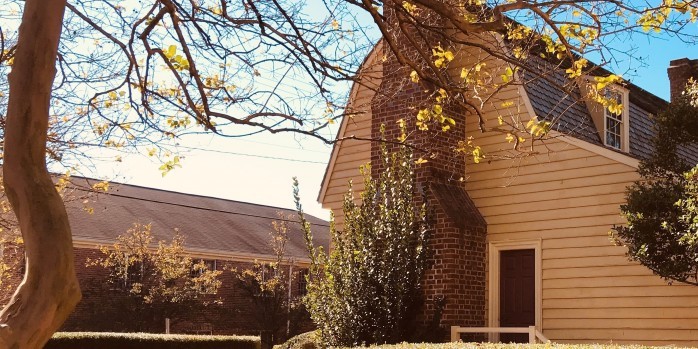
<point x="458" y="265"/>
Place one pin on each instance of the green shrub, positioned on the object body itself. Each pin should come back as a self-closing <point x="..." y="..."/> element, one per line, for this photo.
<point x="307" y="340"/>
<point x="368" y="289"/>
<point x="106" y="340"/>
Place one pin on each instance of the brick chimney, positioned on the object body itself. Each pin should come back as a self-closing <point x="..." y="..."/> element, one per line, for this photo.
<point x="458" y="243"/>
<point x="680" y="70"/>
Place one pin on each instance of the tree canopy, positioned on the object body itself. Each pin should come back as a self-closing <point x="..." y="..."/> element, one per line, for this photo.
<point x="151" y="280"/>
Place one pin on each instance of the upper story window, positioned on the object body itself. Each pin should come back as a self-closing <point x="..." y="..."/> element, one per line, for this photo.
<point x="613" y="122"/>
<point x="613" y="126"/>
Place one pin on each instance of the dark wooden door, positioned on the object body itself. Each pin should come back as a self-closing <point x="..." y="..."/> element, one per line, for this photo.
<point x="517" y="292"/>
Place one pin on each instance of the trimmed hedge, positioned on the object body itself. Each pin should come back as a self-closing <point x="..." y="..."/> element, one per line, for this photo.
<point x="107" y="340"/>
<point x="308" y="340"/>
<point x="512" y="346"/>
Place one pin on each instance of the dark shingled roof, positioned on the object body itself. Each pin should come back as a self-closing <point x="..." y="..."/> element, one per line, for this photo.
<point x="568" y="112"/>
<point x="212" y="224"/>
<point x="571" y="116"/>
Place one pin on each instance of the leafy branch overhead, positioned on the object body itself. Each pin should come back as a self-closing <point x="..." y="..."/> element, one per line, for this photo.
<point x="466" y="52"/>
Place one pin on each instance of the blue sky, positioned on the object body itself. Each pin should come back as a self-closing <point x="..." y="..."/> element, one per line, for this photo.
<point x="259" y="168"/>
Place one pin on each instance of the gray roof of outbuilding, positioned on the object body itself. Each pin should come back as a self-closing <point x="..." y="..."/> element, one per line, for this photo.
<point x="207" y="223"/>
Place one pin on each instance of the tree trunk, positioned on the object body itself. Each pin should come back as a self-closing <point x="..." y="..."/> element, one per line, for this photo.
<point x="49" y="291"/>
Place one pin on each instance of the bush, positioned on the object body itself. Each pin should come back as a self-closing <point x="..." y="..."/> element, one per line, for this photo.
<point x="106" y="340"/>
<point x="368" y="289"/>
<point x="308" y="340"/>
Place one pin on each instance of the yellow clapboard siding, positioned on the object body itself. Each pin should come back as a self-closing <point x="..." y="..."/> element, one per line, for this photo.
<point x="578" y="241"/>
<point x="357" y="128"/>
<point x="357" y="154"/>
<point x="555" y="155"/>
<point x="623" y="323"/>
<point x="604" y="281"/>
<point x="611" y="291"/>
<point x="352" y="146"/>
<point x="578" y="262"/>
<point x="621" y="334"/>
<point x="590" y="207"/>
<point x="349" y="173"/>
<point x="617" y="189"/>
<point x="350" y="165"/>
<point x="684" y="313"/>
<point x="340" y="185"/>
<point x="554" y="166"/>
<point x="620" y="304"/>
<point x="489" y="189"/>
<point x="587" y="272"/>
<point x="595" y="229"/>
<point x="555" y="176"/>
<point x="572" y="252"/>
<point x="608" y="220"/>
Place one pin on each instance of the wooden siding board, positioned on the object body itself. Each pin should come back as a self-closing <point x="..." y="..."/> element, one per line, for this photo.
<point x="664" y="313"/>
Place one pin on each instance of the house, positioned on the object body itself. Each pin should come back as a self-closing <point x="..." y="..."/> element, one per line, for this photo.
<point x="225" y="234"/>
<point x="523" y="240"/>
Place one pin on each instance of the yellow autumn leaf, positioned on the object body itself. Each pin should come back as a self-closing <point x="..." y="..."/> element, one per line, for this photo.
<point x="171" y="51"/>
<point x="420" y="161"/>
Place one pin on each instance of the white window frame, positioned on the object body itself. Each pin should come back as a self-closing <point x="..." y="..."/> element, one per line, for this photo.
<point x="495" y="248"/>
<point x="624" y="119"/>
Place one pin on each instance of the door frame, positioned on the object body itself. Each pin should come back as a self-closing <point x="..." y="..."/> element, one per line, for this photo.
<point x="495" y="247"/>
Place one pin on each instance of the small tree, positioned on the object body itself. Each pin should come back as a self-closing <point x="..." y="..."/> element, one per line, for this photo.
<point x="151" y="281"/>
<point x="266" y="286"/>
<point x="661" y="208"/>
<point x="369" y="288"/>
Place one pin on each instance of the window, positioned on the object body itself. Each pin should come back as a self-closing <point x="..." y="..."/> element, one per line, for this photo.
<point x="130" y="272"/>
<point x="196" y="270"/>
<point x="615" y="125"/>
<point x="199" y="266"/>
<point x="302" y="282"/>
